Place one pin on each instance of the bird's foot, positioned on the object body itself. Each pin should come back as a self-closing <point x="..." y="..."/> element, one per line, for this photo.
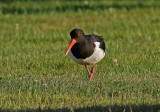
<point x="91" y="76"/>
<point x="92" y="71"/>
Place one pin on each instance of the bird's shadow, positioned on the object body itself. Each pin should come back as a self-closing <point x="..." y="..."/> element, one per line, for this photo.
<point x="109" y="108"/>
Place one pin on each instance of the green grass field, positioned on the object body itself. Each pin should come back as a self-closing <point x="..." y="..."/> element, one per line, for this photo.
<point x="36" y="76"/>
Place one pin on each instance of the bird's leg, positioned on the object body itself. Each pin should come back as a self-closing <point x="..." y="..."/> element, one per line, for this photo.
<point x="92" y="71"/>
<point x="87" y="70"/>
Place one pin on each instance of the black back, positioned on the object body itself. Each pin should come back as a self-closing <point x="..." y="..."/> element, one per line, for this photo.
<point x="85" y="45"/>
<point x="96" y="38"/>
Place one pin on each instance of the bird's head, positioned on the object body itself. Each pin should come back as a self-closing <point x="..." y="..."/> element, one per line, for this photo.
<point x="76" y="36"/>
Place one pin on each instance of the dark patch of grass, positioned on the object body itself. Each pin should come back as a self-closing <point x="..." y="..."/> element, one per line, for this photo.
<point x="34" y="7"/>
<point x="110" y="108"/>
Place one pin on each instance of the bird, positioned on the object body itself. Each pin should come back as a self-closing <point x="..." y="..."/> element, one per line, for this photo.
<point x="86" y="49"/>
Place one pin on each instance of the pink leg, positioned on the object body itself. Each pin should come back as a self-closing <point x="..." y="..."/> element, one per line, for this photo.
<point x="92" y="71"/>
<point x="87" y="70"/>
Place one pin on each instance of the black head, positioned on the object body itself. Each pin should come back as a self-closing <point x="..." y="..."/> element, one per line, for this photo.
<point x="76" y="33"/>
<point x="77" y="36"/>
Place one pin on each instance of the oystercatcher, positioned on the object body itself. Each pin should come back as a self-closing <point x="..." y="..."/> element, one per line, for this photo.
<point x="86" y="49"/>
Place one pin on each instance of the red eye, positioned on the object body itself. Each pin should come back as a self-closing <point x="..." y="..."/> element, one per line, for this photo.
<point x="78" y="34"/>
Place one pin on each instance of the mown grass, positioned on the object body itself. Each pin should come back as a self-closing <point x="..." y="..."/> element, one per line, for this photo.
<point x="36" y="76"/>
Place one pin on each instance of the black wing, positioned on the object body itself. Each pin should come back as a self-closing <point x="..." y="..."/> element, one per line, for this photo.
<point x="96" y="38"/>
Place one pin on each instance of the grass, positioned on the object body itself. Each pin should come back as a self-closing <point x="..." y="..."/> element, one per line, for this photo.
<point x="36" y="76"/>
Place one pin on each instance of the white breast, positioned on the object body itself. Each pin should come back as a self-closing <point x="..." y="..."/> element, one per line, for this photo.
<point x="97" y="55"/>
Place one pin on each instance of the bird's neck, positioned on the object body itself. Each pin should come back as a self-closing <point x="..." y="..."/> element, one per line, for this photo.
<point x="82" y="42"/>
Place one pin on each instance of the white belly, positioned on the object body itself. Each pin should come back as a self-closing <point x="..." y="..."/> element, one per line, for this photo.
<point x="97" y="55"/>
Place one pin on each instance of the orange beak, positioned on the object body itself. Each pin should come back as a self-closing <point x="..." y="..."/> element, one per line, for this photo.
<point x="70" y="46"/>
